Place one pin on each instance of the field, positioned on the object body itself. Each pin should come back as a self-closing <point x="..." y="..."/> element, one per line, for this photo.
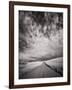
<point x="42" y="69"/>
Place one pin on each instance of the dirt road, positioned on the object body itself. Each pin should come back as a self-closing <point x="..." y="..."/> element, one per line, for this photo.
<point x="42" y="69"/>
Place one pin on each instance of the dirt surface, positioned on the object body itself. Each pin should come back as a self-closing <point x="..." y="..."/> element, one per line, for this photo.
<point x="42" y="69"/>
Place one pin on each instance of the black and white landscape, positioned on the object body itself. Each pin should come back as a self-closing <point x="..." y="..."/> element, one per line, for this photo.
<point x="40" y="44"/>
